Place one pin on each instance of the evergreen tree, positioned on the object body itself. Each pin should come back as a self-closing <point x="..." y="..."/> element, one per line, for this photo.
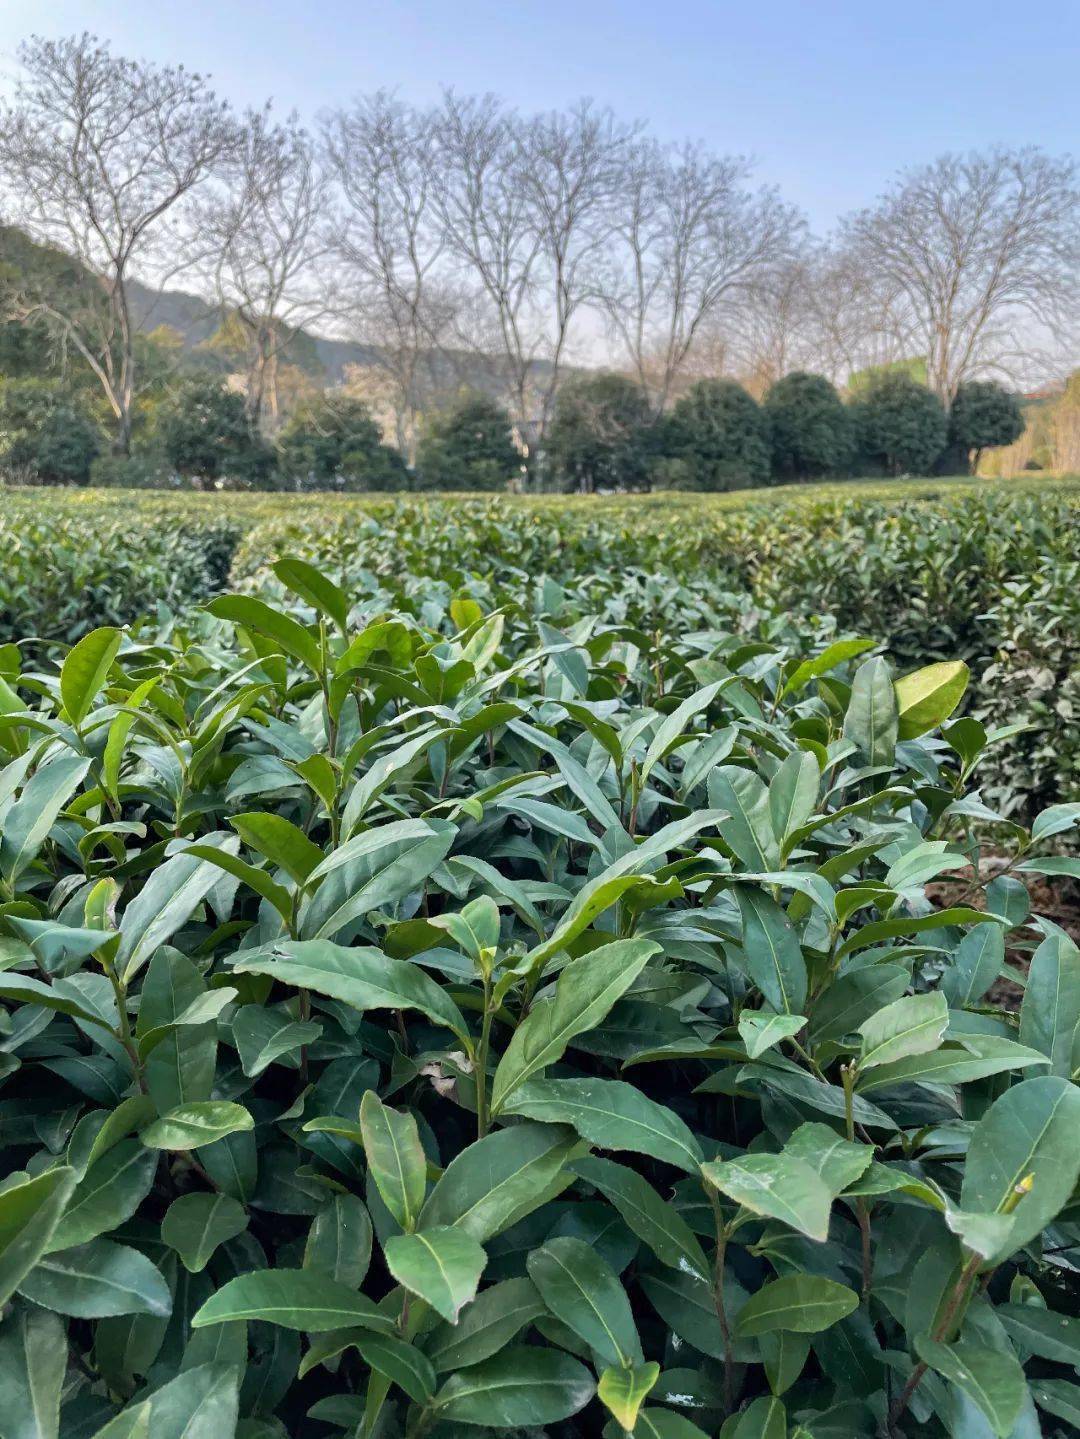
<point x="718" y="433"/>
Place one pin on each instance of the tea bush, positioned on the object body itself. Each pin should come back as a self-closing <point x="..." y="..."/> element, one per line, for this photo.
<point x="925" y="576"/>
<point x="66" y="572"/>
<point x="1036" y="673"/>
<point x="923" y="566"/>
<point x="443" y="1021"/>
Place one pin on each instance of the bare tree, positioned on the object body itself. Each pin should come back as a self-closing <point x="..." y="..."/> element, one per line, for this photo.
<point x="979" y="248"/>
<point x="525" y="206"/>
<point x="389" y="242"/>
<point x="488" y="224"/>
<point x="693" y="239"/>
<point x="259" y="241"/>
<point x="772" y="329"/>
<point x="97" y="153"/>
<point x="569" y="167"/>
<point x="856" y="316"/>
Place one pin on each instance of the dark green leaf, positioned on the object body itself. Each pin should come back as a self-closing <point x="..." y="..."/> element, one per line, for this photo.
<point x="362" y="978"/>
<point x="196" y="1224"/>
<point x="802" y="1302"/>
<point x="441" y="1265"/>
<point x="517" y="1387"/>
<point x="991" y="1377"/>
<point x="30" y="1210"/>
<point x="395" y="1158"/>
<point x="584" y="1293"/>
<point x="295" y="1299"/>
<point x="498" y="1180"/>
<point x="96" y="1280"/>
<point x="584" y="994"/>
<point x="611" y="1115"/>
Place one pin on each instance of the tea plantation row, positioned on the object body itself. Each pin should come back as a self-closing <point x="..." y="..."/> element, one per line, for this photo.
<point x="500" y="993"/>
<point x="931" y="569"/>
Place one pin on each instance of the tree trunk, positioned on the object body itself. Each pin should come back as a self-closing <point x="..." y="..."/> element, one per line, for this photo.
<point x="122" y="440"/>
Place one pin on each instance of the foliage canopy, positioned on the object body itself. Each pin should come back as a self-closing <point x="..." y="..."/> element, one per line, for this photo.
<point x="810" y="428"/>
<point x="428" y="1018"/>
<point x="984" y="414"/>
<point x="46" y="433"/>
<point x="899" y="424"/>
<point x="602" y="434"/>
<point x="206" y="435"/>
<point x="470" y="446"/>
<point x="719" y="433"/>
<point x="333" y="442"/>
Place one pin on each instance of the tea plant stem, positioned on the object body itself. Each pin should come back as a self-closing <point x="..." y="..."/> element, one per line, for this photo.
<point x="418" y="1425"/>
<point x="974" y="887"/>
<point x="722" y="1234"/>
<point x="635" y="796"/>
<point x="324" y="684"/>
<point x="811" y="1062"/>
<point x="942" y="1332"/>
<point x="480" y="1071"/>
<point x="848" y="1075"/>
<point x="956" y="1305"/>
<point x="305" y="1015"/>
<point x="862" y="1213"/>
<point x="123" y="1032"/>
<point x="200" y="1171"/>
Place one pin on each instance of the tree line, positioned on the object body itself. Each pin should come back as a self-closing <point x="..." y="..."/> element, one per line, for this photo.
<point x="465" y="245"/>
<point x="603" y="435"/>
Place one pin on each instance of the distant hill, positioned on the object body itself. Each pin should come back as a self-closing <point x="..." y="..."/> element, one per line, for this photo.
<point x="197" y="320"/>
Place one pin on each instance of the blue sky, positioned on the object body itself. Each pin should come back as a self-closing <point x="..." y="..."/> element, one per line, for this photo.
<point x="830" y="97"/>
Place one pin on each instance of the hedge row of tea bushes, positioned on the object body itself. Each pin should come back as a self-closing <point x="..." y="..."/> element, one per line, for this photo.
<point x="443" y="1021"/>
<point x="66" y="569"/>
<point x="934" y="571"/>
<point x="987" y="578"/>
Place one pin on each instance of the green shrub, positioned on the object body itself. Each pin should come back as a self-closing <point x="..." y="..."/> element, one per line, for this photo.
<point x="469" y="447"/>
<point x="69" y="570"/>
<point x="205" y="434"/>
<point x="926" y="567"/>
<point x="809" y="427"/>
<point x="332" y="443"/>
<point x="143" y="470"/>
<point x="899" y="424"/>
<point x="46" y="435"/>
<point x="717" y="430"/>
<point x="1034" y="676"/>
<point x="602" y="435"/>
<point x="432" y="1031"/>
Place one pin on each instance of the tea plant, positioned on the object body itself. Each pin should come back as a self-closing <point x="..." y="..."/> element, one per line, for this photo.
<point x="527" y="1029"/>
<point x="66" y="571"/>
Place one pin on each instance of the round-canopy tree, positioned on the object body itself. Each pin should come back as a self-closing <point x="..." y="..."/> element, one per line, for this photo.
<point x="332" y="443"/>
<point x="810" y="428"/>
<point x="984" y="414"/>
<point x="206" y="435"/>
<point x="602" y="435"/>
<point x="468" y="447"/>
<point x="719" y="434"/>
<point x="899" y="424"/>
